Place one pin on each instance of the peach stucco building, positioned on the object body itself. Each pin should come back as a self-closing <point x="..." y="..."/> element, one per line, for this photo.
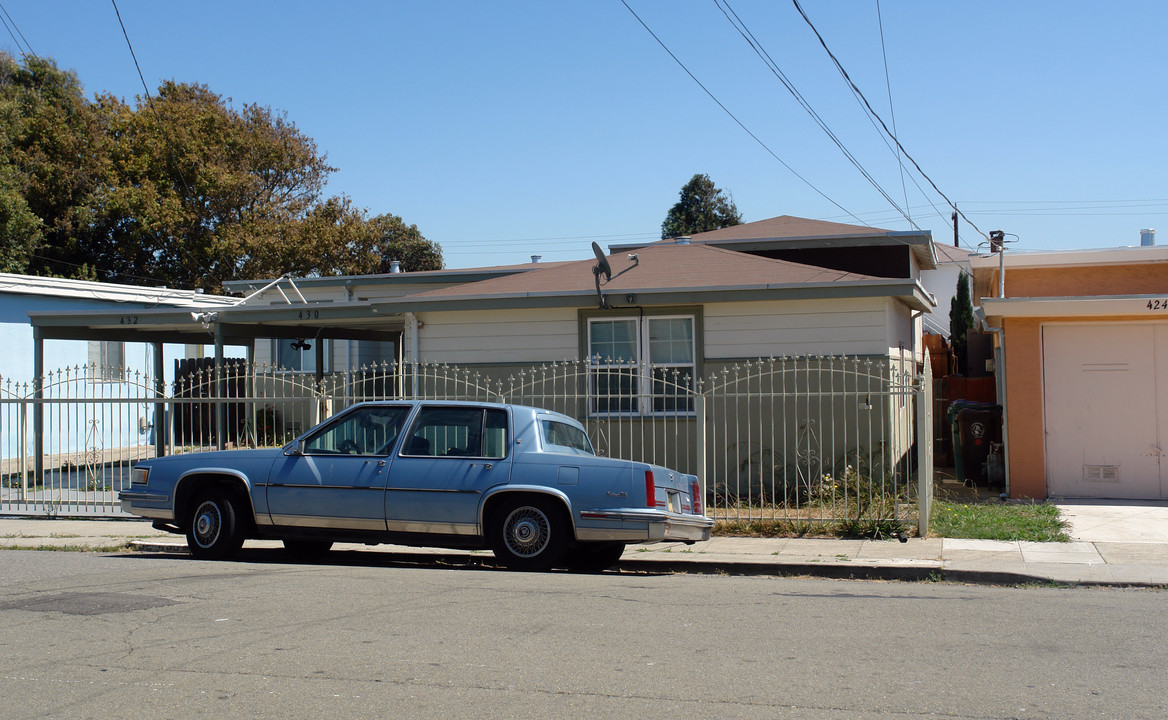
<point x="1081" y="352"/>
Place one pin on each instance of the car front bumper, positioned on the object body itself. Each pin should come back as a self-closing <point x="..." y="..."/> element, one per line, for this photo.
<point x="146" y="504"/>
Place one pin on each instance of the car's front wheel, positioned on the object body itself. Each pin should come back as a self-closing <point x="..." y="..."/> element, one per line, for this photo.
<point x="214" y="526"/>
<point x="529" y="533"/>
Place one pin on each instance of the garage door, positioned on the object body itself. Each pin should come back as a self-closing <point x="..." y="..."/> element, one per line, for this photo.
<point x="1105" y="395"/>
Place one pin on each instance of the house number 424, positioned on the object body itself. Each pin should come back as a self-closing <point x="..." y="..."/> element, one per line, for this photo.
<point x="1158" y="304"/>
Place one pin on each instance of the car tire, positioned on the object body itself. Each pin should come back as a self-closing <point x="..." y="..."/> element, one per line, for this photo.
<point x="307" y="548"/>
<point x="214" y="526"/>
<point x="529" y="533"/>
<point x="594" y="557"/>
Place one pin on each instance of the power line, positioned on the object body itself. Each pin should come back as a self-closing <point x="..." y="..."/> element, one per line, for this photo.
<point x="732" y="116"/>
<point x="891" y="108"/>
<point x="868" y="105"/>
<point x="763" y="55"/>
<point x="10" y="26"/>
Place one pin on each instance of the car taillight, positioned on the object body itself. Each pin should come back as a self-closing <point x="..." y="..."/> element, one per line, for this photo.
<point x="695" y="496"/>
<point x="650" y="490"/>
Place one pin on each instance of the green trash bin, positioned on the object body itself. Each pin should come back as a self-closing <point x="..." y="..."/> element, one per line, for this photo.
<point x="975" y="426"/>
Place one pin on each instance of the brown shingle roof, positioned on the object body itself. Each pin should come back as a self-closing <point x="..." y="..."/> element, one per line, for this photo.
<point x="787" y="226"/>
<point x="662" y="266"/>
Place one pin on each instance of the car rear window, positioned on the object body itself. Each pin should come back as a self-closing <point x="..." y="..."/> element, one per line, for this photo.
<point x="563" y="435"/>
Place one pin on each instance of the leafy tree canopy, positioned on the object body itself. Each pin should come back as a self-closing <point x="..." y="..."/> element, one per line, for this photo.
<point x="181" y="189"/>
<point x="701" y="207"/>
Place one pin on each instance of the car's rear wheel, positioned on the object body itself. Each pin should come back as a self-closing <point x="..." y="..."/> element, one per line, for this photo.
<point x="529" y="533"/>
<point x="594" y="557"/>
<point x="307" y="548"/>
<point x="214" y="526"/>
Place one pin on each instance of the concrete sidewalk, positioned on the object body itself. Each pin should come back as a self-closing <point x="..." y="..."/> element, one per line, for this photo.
<point x="1114" y="544"/>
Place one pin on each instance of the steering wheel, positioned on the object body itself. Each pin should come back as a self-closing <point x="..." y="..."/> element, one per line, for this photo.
<point x="349" y="447"/>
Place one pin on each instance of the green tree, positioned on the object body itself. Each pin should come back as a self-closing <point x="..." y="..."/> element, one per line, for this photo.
<point x="183" y="189"/>
<point x="406" y="244"/>
<point x="701" y="207"/>
<point x="960" y="321"/>
<point x="52" y="155"/>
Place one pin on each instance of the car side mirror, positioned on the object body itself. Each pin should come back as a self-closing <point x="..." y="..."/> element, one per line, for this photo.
<point x="297" y="448"/>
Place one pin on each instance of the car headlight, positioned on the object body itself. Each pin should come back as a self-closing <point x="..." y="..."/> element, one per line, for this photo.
<point x="138" y="476"/>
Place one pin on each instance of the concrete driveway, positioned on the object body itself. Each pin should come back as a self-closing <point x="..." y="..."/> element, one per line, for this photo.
<point x="1121" y="521"/>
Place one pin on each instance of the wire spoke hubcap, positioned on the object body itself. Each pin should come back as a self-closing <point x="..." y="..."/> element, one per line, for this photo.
<point x="208" y="520"/>
<point x="527" y="531"/>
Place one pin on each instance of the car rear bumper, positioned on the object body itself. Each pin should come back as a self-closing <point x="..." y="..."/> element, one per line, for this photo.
<point x="626" y="525"/>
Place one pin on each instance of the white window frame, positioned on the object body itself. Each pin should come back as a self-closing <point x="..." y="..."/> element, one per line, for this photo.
<point x="641" y="369"/>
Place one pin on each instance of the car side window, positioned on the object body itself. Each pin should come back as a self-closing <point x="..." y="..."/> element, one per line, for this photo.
<point x="365" y="431"/>
<point x="459" y="432"/>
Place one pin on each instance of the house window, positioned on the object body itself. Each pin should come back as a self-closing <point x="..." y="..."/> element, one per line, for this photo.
<point x="108" y="361"/>
<point x="299" y="355"/>
<point x="643" y="365"/>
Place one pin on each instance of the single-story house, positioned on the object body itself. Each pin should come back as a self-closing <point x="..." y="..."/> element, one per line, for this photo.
<point x="778" y="287"/>
<point x="1081" y="344"/>
<point x="783" y="286"/>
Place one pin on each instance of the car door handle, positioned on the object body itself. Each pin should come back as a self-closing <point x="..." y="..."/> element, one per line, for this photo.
<point x="487" y="466"/>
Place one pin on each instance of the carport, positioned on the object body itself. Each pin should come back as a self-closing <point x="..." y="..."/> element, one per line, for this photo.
<point x="239" y="325"/>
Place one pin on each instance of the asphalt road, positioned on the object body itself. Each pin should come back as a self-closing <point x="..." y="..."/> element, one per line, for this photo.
<point x="146" y="636"/>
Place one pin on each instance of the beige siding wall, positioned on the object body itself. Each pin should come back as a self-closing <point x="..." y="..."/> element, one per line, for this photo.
<point x="498" y="336"/>
<point x="901" y="327"/>
<point x="796" y="327"/>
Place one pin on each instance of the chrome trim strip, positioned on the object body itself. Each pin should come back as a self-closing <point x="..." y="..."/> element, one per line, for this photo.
<point x="412" y="526"/>
<point x="152" y="513"/>
<point x="611" y="535"/>
<point x="299" y="486"/>
<point x="313" y="521"/>
<point x="141" y="496"/>
<point x="433" y="490"/>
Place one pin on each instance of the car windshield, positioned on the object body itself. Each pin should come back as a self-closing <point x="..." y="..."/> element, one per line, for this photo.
<point x="365" y="431"/>
<point x="564" y="435"/>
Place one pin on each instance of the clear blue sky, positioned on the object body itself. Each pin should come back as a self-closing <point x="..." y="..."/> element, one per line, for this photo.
<point x="506" y="129"/>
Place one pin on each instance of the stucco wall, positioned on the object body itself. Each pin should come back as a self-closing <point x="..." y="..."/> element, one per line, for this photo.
<point x="1027" y="443"/>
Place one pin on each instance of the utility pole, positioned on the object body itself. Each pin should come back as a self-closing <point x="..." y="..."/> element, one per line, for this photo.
<point x="956" y="241"/>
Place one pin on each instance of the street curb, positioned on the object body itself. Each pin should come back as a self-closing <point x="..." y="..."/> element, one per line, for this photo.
<point x="827" y="571"/>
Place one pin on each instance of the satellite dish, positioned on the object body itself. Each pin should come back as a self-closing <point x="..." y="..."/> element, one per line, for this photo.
<point x="602" y="266"/>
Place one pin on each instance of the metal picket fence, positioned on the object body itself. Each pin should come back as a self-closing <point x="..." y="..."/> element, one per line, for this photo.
<point x="797" y="439"/>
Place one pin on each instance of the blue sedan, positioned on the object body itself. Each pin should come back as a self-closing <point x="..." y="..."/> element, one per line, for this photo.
<point x="521" y="481"/>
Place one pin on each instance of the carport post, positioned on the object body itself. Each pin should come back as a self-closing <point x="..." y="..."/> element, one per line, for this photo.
<point x="221" y="385"/>
<point x="38" y="410"/>
<point x="159" y="406"/>
<point x="700" y="432"/>
<point x="924" y="403"/>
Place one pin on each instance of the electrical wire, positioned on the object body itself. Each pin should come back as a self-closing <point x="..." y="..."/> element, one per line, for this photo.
<point x="763" y="55"/>
<point x="891" y="107"/>
<point x="10" y="26"/>
<point x="161" y="125"/>
<point x="732" y="116"/>
<point x="868" y="105"/>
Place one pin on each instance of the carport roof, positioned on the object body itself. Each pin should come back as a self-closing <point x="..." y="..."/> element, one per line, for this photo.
<point x="238" y="324"/>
